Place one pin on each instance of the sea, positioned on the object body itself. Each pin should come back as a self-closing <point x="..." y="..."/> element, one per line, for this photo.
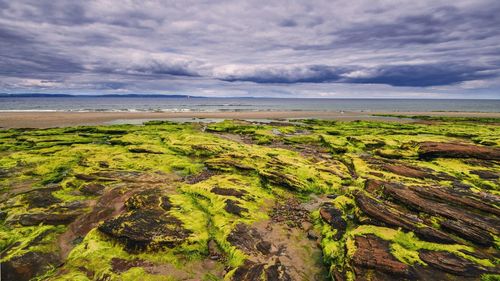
<point x="199" y="104"/>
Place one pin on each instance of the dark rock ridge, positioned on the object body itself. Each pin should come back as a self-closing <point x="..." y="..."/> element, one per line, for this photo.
<point x="429" y="150"/>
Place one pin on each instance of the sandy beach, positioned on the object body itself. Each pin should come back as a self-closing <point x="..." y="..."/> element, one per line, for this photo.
<point x="63" y="119"/>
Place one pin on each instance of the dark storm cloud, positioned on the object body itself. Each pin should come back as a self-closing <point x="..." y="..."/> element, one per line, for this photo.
<point x="251" y="47"/>
<point x="305" y="74"/>
<point x="423" y="75"/>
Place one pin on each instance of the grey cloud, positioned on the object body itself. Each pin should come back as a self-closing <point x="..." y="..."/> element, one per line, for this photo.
<point x="294" y="74"/>
<point x="411" y="75"/>
<point x="241" y="46"/>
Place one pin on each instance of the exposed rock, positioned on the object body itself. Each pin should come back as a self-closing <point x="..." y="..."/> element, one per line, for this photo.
<point x="429" y="150"/>
<point x="333" y="217"/>
<point x="92" y="189"/>
<point x="450" y="263"/>
<point x="473" y="200"/>
<point x="246" y="239"/>
<point x="85" y="177"/>
<point x="408" y="171"/>
<point x="42" y="198"/>
<point x="234" y="208"/>
<point x="373" y="253"/>
<point x="413" y="200"/>
<point x="484" y="174"/>
<point x="28" y="265"/>
<point x="277" y="272"/>
<point x="264" y="247"/>
<point x="229" y="192"/>
<point x="144" y="228"/>
<point x="249" y="271"/>
<point x="373" y="186"/>
<point x="31" y="219"/>
<point x="468" y="232"/>
<point x="393" y="217"/>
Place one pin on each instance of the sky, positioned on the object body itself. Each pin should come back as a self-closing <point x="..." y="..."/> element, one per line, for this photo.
<point x="334" y="49"/>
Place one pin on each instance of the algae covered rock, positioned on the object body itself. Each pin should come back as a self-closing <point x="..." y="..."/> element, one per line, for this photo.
<point x="145" y="229"/>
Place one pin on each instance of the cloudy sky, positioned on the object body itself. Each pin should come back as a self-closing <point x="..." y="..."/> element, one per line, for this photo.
<point x="356" y="48"/>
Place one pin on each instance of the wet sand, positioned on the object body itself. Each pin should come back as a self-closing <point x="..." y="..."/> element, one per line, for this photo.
<point x="63" y="119"/>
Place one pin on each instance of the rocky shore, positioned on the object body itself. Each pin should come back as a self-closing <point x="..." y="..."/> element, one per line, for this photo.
<point x="306" y="199"/>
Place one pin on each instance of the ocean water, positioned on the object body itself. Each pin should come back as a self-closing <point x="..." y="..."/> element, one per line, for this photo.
<point x="134" y="104"/>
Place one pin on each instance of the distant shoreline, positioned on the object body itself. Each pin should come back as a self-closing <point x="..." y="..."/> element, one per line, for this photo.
<point x="37" y="119"/>
<point x="174" y="96"/>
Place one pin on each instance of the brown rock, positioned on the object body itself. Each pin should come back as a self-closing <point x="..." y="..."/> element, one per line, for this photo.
<point x="373" y="186"/>
<point x="233" y="207"/>
<point x="448" y="195"/>
<point x="407" y="171"/>
<point x="413" y="200"/>
<point x="468" y="232"/>
<point x="47" y="218"/>
<point x="42" y="198"/>
<point x="373" y="253"/>
<point x="247" y="239"/>
<point x="391" y="216"/>
<point x="429" y="150"/>
<point x="277" y="272"/>
<point x="451" y="263"/>
<point x="249" y="271"/>
<point x="229" y="192"/>
<point x="92" y="189"/>
<point x="28" y="265"/>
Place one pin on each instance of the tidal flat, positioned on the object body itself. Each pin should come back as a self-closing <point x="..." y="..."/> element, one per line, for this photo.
<point x="303" y="199"/>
